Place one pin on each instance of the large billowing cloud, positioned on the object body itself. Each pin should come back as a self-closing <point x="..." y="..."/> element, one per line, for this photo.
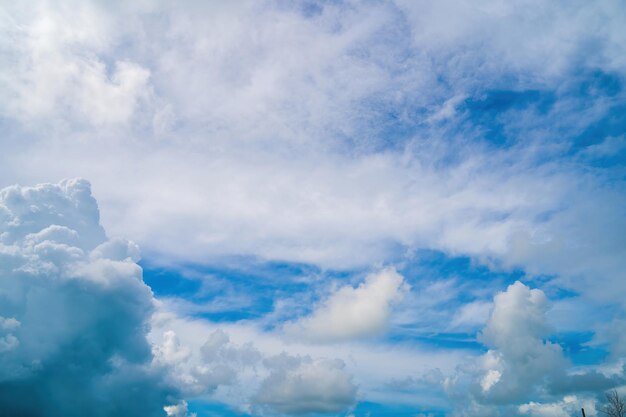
<point x="74" y="311"/>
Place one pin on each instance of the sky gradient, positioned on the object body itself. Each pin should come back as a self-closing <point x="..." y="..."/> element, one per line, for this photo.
<point x="312" y="208"/>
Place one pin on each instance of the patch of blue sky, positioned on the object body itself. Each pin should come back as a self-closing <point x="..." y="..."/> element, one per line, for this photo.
<point x="446" y="282"/>
<point x="213" y="409"/>
<point x="474" y="282"/>
<point x="430" y="265"/>
<point x="578" y="349"/>
<point x="261" y="283"/>
<point x="578" y="111"/>
<point x="166" y="282"/>
<point x="362" y="409"/>
<point x="367" y="409"/>
<point x="438" y="340"/>
<point x="492" y="115"/>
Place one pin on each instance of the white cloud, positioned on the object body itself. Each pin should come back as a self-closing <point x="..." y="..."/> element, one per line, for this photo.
<point x="278" y="161"/>
<point x="523" y="373"/>
<point x="256" y="382"/>
<point x="242" y="346"/>
<point x="60" y="52"/>
<point x="301" y="385"/>
<point x="520" y="363"/>
<point x="73" y="322"/>
<point x="519" y="357"/>
<point x="490" y="379"/>
<point x="200" y="370"/>
<point x="353" y="312"/>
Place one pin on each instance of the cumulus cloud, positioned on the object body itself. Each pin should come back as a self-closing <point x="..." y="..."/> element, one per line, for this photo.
<point x="353" y="312"/>
<point x="522" y="372"/>
<point x="520" y="363"/>
<point x="73" y="320"/>
<point x="249" y="345"/>
<point x="250" y="380"/>
<point x="200" y="370"/>
<point x="519" y="357"/>
<point x="300" y="385"/>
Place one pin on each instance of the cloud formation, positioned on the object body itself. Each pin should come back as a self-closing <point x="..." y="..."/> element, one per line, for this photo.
<point x="522" y="372"/>
<point x="257" y="382"/>
<point x="301" y="385"/>
<point x="74" y="311"/>
<point x="350" y="312"/>
<point x="336" y="156"/>
<point x="344" y="135"/>
<point x="519" y="357"/>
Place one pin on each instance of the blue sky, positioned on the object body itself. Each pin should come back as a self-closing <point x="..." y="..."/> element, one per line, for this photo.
<point x="346" y="208"/>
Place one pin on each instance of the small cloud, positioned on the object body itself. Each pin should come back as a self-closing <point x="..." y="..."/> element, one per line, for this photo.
<point x="301" y="385"/>
<point x="351" y="312"/>
<point x="178" y="410"/>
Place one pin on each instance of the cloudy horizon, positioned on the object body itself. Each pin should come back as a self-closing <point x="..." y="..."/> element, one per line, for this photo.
<point x="347" y="208"/>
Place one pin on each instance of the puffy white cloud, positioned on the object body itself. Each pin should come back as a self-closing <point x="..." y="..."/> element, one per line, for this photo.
<point x="246" y="378"/>
<point x="523" y="373"/>
<point x="73" y="322"/>
<point x="519" y="357"/>
<point x="353" y="312"/>
<point x="300" y="385"/>
<point x="241" y="347"/>
<point x="520" y="363"/>
<point x="200" y="370"/>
